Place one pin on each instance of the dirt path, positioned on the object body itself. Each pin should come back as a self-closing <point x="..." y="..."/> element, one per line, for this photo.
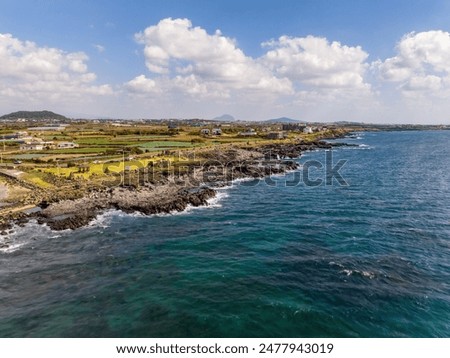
<point x="3" y="192"/>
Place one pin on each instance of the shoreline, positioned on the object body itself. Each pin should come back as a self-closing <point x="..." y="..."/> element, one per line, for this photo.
<point x="174" y="192"/>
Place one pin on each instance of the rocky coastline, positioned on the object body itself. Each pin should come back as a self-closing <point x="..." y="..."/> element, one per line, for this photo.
<point x="170" y="192"/>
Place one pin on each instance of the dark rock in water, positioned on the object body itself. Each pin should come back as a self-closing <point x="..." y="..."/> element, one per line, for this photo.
<point x="338" y="144"/>
<point x="44" y="204"/>
<point x="201" y="198"/>
<point x="5" y="225"/>
<point x="3" y="233"/>
<point x="178" y="202"/>
<point x="71" y="222"/>
<point x="21" y="221"/>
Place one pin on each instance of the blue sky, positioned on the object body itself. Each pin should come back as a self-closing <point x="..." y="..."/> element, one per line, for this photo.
<point x="375" y="61"/>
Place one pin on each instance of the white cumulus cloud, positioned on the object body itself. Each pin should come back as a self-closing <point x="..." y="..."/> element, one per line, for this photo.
<point x="421" y="64"/>
<point x="315" y="62"/>
<point x="142" y="84"/>
<point x="31" y="72"/>
<point x="202" y="63"/>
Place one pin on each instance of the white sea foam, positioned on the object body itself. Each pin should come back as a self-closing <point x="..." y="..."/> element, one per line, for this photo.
<point x="370" y="275"/>
<point x="23" y="235"/>
<point x="357" y="147"/>
<point x="214" y="202"/>
<point x="226" y="187"/>
<point x="242" y="180"/>
<point x="106" y="218"/>
<point x="11" y="248"/>
<point x="349" y="272"/>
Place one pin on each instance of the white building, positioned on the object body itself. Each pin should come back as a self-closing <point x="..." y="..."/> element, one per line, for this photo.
<point x="67" y="145"/>
<point x="32" y="146"/>
<point x="307" y="130"/>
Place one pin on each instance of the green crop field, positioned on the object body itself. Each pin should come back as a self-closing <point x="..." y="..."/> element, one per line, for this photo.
<point x="79" y="150"/>
<point x="165" y="145"/>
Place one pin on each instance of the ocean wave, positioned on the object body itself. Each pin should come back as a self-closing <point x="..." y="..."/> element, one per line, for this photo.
<point x="105" y="219"/>
<point x="368" y="274"/>
<point x="361" y="146"/>
<point x="242" y="180"/>
<point x="353" y="272"/>
<point x="11" y="248"/>
<point x="214" y="202"/>
<point x="23" y="235"/>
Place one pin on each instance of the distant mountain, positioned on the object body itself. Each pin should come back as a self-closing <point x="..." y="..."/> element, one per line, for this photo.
<point x="225" y="117"/>
<point x="283" y="120"/>
<point x="33" y="115"/>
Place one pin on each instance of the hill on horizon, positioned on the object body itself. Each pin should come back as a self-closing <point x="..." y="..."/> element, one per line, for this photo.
<point x="33" y="115"/>
<point x="225" y="117"/>
<point x="283" y="120"/>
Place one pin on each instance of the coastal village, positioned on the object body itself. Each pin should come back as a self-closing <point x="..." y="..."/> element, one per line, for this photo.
<point x="47" y="158"/>
<point x="42" y="148"/>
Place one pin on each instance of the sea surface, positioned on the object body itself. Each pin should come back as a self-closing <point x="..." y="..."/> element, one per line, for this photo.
<point x="272" y="258"/>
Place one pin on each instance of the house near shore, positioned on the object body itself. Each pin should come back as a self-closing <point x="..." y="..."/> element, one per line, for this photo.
<point x="308" y="130"/>
<point x="205" y="131"/>
<point x="217" y="131"/>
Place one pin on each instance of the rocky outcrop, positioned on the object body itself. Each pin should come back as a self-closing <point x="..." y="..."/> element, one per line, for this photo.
<point x="73" y="214"/>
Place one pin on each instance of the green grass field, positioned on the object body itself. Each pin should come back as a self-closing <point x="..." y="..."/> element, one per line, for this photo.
<point x="79" y="150"/>
<point x="165" y="145"/>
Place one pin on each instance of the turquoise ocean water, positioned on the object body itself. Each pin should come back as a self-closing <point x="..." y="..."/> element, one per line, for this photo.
<point x="369" y="259"/>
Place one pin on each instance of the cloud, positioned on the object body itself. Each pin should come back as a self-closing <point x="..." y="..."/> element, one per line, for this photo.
<point x="190" y="72"/>
<point x="315" y="62"/>
<point x="142" y="84"/>
<point x="185" y="62"/>
<point x="186" y="65"/>
<point x="204" y="64"/>
<point x="99" y="48"/>
<point x="31" y="72"/>
<point x="421" y="65"/>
